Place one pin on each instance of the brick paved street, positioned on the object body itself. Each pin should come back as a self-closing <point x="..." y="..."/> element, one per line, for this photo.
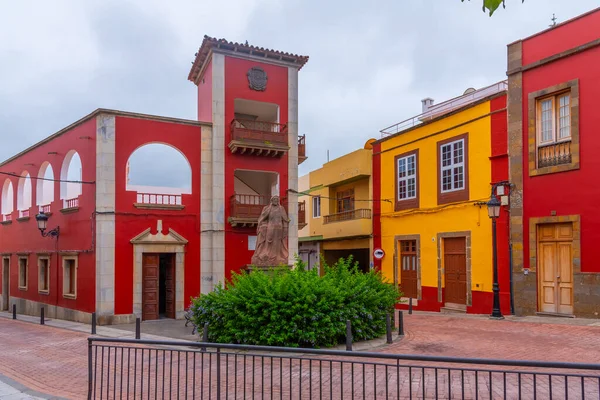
<point x="54" y="361"/>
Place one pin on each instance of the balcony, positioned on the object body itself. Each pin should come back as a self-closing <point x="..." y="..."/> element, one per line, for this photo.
<point x="301" y="214"/>
<point x="159" y="201"/>
<point x="302" y="149"/>
<point x="246" y="208"/>
<point x="261" y="138"/>
<point x="347" y="224"/>
<point x="554" y="154"/>
<point x="46" y="209"/>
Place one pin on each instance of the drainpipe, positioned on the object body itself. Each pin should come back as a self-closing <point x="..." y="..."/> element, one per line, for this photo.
<point x="510" y="266"/>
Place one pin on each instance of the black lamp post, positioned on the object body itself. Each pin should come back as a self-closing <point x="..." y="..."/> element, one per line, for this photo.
<point x="42" y="221"/>
<point x="493" y="207"/>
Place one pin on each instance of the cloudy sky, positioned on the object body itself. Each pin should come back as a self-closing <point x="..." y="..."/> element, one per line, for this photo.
<point x="369" y="65"/>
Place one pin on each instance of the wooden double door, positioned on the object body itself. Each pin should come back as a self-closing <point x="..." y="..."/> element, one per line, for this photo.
<point x="455" y="267"/>
<point x="555" y="268"/>
<point x="158" y="285"/>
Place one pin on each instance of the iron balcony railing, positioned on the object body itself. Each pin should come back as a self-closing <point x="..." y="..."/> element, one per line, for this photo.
<point x="361" y="213"/>
<point x="554" y="154"/>
<point x="128" y="368"/>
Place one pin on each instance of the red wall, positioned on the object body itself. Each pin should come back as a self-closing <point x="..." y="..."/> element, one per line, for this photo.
<point x="130" y="221"/>
<point x="205" y="95"/>
<point x="581" y="30"/>
<point x="237" y="254"/>
<point x="572" y="192"/>
<point x="76" y="229"/>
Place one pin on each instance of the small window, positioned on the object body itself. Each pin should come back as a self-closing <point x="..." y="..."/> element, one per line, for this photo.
<point x="23" y="264"/>
<point x="69" y="277"/>
<point x="316" y="207"/>
<point x="553" y="126"/>
<point x="345" y="200"/>
<point x="453" y="169"/>
<point x="44" y="275"/>
<point x="407" y="180"/>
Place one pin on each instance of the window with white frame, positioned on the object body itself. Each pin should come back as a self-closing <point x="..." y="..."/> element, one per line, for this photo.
<point x="407" y="177"/>
<point x="554" y="119"/>
<point x="452" y="165"/>
<point x="316" y="207"/>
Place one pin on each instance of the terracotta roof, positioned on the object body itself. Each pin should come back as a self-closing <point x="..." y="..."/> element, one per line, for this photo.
<point x="210" y="43"/>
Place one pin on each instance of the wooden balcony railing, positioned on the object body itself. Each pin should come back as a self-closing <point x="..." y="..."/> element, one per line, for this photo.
<point x="159" y="199"/>
<point x="554" y="154"/>
<point x="248" y="206"/>
<point x="302" y="146"/>
<point x="301" y="212"/>
<point x="45" y="209"/>
<point x="362" y="213"/>
<point x="23" y="213"/>
<point x="261" y="131"/>
<point x="71" y="203"/>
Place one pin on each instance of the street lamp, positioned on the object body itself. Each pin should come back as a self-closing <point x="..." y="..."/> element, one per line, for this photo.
<point x="42" y="221"/>
<point x="493" y="207"/>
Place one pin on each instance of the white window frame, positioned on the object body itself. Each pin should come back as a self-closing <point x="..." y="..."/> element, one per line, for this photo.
<point x="555" y="104"/>
<point x="452" y="166"/>
<point x="23" y="287"/>
<point x="407" y="177"/>
<point x="40" y="259"/>
<point x="66" y="258"/>
<point x="316" y="207"/>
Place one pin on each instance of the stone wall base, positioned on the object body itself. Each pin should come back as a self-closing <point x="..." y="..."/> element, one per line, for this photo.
<point x="30" y="307"/>
<point x="586" y="296"/>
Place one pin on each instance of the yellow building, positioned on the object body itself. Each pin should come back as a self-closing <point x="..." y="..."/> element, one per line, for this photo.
<point x="337" y="202"/>
<point x="433" y="177"/>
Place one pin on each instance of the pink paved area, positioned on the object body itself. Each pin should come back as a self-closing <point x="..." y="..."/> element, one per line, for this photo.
<point x="54" y="361"/>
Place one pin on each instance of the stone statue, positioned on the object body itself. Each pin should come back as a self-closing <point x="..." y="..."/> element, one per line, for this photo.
<point x="271" y="242"/>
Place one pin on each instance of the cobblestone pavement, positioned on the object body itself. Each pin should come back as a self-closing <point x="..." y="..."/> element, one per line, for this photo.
<point x="54" y="361"/>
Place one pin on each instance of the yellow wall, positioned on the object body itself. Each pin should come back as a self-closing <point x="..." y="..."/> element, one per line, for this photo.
<point x="431" y="218"/>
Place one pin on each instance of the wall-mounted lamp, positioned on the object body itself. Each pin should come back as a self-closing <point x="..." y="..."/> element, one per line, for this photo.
<point x="42" y="221"/>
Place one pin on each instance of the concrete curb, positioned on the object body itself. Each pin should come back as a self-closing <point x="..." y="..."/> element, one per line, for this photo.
<point x="25" y="390"/>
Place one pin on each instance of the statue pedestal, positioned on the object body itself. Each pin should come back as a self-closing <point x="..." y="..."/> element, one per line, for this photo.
<point x="264" y="268"/>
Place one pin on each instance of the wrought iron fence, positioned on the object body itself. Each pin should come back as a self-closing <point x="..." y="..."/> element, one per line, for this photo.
<point x="120" y="368"/>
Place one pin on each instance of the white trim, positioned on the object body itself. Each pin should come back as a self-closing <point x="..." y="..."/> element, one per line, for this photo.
<point x="452" y="166"/>
<point x="408" y="177"/>
<point x="316" y="208"/>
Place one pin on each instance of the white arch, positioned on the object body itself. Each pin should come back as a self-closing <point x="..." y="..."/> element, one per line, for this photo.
<point x="45" y="187"/>
<point x="70" y="171"/>
<point x="24" y="192"/>
<point x="8" y="198"/>
<point x="158" y="168"/>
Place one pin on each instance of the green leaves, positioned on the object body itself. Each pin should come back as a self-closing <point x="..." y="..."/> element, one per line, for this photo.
<point x="492" y="5"/>
<point x="297" y="308"/>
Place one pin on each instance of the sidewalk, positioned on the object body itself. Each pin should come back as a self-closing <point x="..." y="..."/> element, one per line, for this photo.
<point x="13" y="390"/>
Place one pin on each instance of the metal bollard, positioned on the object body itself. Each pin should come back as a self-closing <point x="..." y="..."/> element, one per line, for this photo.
<point x="205" y="335"/>
<point x="14" y="311"/>
<point x="348" y="336"/>
<point x="410" y="306"/>
<point x="42" y="316"/>
<point x="388" y="328"/>
<point x="400" y="323"/>
<point x="137" y="328"/>
<point x="93" y="323"/>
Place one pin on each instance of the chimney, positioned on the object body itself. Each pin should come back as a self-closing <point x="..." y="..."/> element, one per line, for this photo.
<point x="427" y="103"/>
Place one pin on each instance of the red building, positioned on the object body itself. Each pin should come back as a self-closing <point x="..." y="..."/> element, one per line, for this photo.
<point x="554" y="81"/>
<point x="125" y="250"/>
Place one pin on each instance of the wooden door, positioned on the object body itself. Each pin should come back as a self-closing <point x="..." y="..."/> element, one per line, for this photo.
<point x="455" y="266"/>
<point x="150" y="269"/>
<point x="555" y="268"/>
<point x="170" y="286"/>
<point x="408" y="268"/>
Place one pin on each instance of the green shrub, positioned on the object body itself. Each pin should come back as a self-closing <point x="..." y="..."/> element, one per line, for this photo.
<point x="297" y="308"/>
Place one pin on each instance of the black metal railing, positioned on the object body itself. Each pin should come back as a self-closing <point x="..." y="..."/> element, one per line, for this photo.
<point x="120" y="368"/>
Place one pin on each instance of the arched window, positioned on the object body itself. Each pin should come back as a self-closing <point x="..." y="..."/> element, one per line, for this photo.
<point x="70" y="171"/>
<point x="24" y="195"/>
<point x="8" y="200"/>
<point x="159" y="174"/>
<point x="45" y="187"/>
